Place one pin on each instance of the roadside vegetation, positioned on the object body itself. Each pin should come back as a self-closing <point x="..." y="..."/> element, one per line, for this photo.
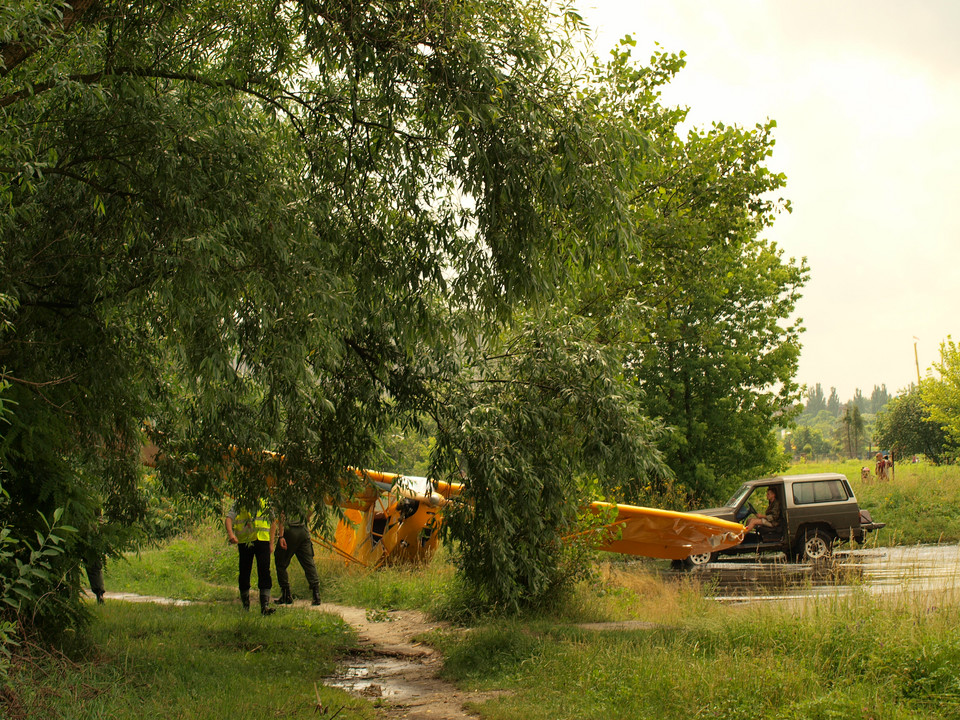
<point x="859" y="658"/>
<point x="862" y="656"/>
<point x="200" y="661"/>
<point x="276" y="241"/>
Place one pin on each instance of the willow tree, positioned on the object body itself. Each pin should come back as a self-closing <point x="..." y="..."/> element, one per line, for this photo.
<point x="269" y="226"/>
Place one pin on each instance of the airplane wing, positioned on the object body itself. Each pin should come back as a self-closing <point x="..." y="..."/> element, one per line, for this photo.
<point x="665" y="534"/>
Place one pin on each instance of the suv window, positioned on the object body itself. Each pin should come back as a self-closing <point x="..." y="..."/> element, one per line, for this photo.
<point x="819" y="491"/>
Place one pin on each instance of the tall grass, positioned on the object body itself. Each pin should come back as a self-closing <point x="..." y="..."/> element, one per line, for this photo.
<point x="863" y="656"/>
<point x="860" y="657"/>
<point x="144" y="661"/>
<point x="197" y="565"/>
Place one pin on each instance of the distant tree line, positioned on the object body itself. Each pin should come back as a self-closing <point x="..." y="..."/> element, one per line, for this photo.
<point x="828" y="427"/>
<point x="920" y="420"/>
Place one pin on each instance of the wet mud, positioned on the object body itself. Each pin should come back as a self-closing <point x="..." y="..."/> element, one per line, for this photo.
<point x="392" y="668"/>
<point x="922" y="568"/>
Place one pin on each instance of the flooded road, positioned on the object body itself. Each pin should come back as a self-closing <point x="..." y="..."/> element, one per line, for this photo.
<point x="923" y="568"/>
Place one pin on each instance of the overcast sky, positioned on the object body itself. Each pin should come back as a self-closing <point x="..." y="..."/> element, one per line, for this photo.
<point x="866" y="95"/>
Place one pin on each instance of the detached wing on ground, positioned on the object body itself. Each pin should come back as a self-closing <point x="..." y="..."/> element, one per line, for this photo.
<point x="664" y="534"/>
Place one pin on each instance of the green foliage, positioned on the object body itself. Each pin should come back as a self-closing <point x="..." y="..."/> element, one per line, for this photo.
<point x="549" y="379"/>
<point x="26" y="570"/>
<point x="700" y="305"/>
<point x="852" y="424"/>
<point x="821" y="432"/>
<point x="29" y="578"/>
<point x="815" y="400"/>
<point x="905" y="426"/>
<point x="268" y="228"/>
<point x="941" y="395"/>
<point x="152" y="662"/>
<point x="407" y="449"/>
<point x="294" y="228"/>
<point x="809" y="442"/>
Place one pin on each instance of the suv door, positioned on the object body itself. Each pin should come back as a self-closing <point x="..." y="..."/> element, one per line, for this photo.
<point x="827" y="504"/>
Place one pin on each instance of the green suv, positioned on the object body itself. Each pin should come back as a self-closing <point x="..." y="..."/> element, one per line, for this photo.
<point x="818" y="511"/>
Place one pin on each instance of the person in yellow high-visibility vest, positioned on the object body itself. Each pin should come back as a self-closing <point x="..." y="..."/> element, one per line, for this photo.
<point x="254" y="535"/>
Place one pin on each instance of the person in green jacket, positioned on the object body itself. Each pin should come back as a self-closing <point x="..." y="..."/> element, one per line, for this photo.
<point x="254" y="534"/>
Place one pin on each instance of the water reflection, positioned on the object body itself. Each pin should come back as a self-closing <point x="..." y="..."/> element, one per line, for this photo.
<point x="882" y="570"/>
<point x="378" y="677"/>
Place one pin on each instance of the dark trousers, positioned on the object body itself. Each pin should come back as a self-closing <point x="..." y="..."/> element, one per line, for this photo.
<point x="95" y="576"/>
<point x="259" y="549"/>
<point x="300" y="544"/>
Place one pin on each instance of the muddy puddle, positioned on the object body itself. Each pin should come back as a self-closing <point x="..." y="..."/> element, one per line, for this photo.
<point x="389" y="678"/>
<point x="883" y="570"/>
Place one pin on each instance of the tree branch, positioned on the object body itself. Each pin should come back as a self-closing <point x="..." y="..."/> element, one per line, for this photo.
<point x="37" y="385"/>
<point x="13" y="54"/>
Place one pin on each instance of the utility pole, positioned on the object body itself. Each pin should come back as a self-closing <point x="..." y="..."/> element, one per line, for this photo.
<point x="916" y="359"/>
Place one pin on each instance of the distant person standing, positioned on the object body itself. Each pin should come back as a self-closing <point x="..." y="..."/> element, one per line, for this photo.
<point x="253" y="533"/>
<point x="881" y="466"/>
<point x="295" y="539"/>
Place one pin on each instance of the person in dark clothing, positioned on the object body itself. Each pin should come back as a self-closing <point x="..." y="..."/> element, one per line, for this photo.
<point x="94" y="570"/>
<point x="295" y="539"/>
<point x="91" y="552"/>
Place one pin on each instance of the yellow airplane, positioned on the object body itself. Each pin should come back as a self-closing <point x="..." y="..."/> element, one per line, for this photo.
<point x="398" y="519"/>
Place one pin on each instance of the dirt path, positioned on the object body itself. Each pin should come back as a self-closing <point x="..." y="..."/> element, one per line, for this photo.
<point x="396" y="669"/>
<point x="390" y="666"/>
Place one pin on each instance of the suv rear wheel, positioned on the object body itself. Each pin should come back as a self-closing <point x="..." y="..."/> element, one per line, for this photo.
<point x="816" y="545"/>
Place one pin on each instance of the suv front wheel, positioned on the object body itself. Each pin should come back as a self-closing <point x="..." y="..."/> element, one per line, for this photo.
<point x="816" y="545"/>
<point x="699" y="560"/>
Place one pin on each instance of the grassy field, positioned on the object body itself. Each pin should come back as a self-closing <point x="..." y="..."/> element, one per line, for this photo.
<point x="921" y="504"/>
<point x="201" y="565"/>
<point x="857" y="658"/>
<point x="203" y="661"/>
<point x="888" y="657"/>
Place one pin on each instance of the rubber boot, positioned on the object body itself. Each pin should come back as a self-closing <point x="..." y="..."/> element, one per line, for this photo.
<point x="99" y="598"/>
<point x="286" y="597"/>
<point x="265" y="608"/>
<point x="316" y="594"/>
<point x="245" y="599"/>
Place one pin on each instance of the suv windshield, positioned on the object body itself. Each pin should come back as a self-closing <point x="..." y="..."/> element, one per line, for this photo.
<point x="740" y="495"/>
